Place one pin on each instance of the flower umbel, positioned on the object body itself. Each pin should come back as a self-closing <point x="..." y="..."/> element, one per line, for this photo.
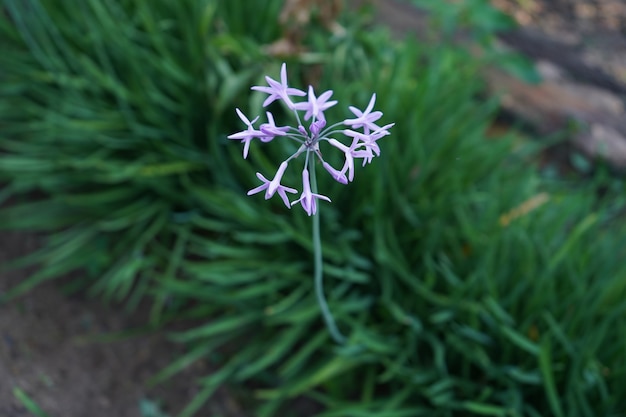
<point x="361" y="135"/>
<point x="362" y="145"/>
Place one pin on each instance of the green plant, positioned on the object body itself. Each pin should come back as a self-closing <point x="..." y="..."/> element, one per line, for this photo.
<point x="106" y="120"/>
<point x="450" y="311"/>
<point x="115" y="144"/>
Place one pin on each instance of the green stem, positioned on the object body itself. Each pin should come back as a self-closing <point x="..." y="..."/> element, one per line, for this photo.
<point x="319" y="284"/>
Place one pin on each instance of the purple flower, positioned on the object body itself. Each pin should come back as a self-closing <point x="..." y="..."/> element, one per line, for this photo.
<point x="279" y="91"/>
<point x="271" y="130"/>
<point x="367" y="155"/>
<point x="349" y="155"/>
<point x="382" y="131"/>
<point x="274" y="186"/>
<point x="336" y="174"/>
<point x="307" y="199"/>
<point x="316" y="127"/>
<point x="315" y="107"/>
<point x="247" y="135"/>
<point x="369" y="138"/>
<point x="365" y="118"/>
<point x="362" y="132"/>
<point x="367" y="147"/>
<point x="371" y="147"/>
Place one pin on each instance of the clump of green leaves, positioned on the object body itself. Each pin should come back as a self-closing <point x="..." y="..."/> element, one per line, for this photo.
<point x="457" y="295"/>
<point x="108" y="111"/>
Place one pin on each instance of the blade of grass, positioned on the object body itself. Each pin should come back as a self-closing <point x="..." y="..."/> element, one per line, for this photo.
<point x="28" y="403"/>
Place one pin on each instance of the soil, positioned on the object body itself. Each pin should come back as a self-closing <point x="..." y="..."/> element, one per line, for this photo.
<point x="573" y="17"/>
<point x="49" y="346"/>
<point x="595" y="28"/>
<point x="53" y="347"/>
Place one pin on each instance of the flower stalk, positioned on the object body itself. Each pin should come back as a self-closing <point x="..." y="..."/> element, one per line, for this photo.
<point x="319" y="275"/>
<point x="362" y="145"/>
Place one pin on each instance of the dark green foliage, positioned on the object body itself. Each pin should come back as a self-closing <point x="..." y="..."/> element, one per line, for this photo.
<point x="108" y="108"/>
<point x="114" y="119"/>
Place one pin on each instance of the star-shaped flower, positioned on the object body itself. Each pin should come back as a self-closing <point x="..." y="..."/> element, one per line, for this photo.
<point x="365" y="118"/>
<point x="271" y="130"/>
<point x="315" y="106"/>
<point x="307" y="198"/>
<point x="274" y="186"/>
<point x="349" y="153"/>
<point x="336" y="174"/>
<point x="247" y="135"/>
<point x="367" y="146"/>
<point x="279" y="90"/>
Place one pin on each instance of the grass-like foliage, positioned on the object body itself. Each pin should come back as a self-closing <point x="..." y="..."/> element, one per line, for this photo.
<point x="465" y="283"/>
<point x="109" y="110"/>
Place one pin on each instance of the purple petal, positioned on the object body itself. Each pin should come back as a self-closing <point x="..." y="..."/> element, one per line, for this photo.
<point x="262" y="89"/>
<point x="283" y="196"/>
<point x="257" y="189"/>
<point x="321" y="197"/>
<point x="339" y="145"/>
<point x="295" y="92"/>
<point x="270" y="100"/>
<point x="242" y="117"/>
<point x="370" y="106"/>
<point x="283" y="74"/>
<point x="357" y="112"/>
<point x="336" y="174"/>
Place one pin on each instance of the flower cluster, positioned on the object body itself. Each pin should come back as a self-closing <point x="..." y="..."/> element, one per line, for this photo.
<point x="362" y="133"/>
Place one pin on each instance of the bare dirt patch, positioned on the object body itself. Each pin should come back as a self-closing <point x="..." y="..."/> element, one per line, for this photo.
<point x="55" y="349"/>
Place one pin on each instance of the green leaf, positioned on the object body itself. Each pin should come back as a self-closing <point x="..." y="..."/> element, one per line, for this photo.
<point x="520" y="341"/>
<point x="28" y="403"/>
<point x="545" y="365"/>
<point x="216" y="327"/>
<point x="484" y="409"/>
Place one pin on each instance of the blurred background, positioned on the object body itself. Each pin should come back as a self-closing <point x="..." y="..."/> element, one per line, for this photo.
<point x="477" y="267"/>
